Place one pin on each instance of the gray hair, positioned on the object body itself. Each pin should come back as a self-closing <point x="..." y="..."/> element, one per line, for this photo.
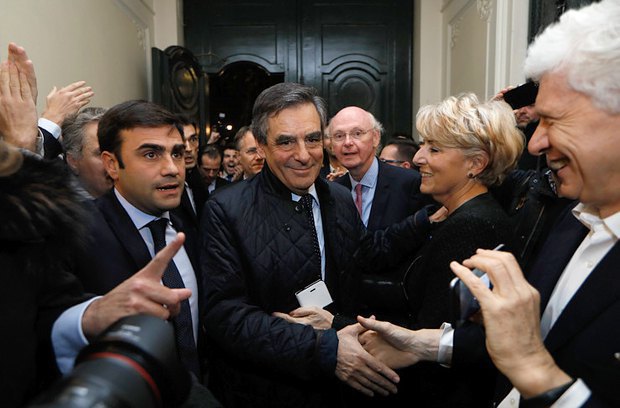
<point x="73" y="129"/>
<point x="281" y="96"/>
<point x="584" y="45"/>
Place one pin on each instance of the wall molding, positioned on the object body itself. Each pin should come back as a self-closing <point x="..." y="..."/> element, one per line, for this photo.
<point x="141" y="15"/>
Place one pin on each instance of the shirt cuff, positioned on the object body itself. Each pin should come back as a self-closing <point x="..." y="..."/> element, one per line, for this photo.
<point x="446" y="343"/>
<point x="67" y="335"/>
<point x="575" y="396"/>
<point x="50" y="126"/>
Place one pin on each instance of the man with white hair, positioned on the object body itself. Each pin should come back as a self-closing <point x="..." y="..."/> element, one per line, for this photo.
<point x="570" y="356"/>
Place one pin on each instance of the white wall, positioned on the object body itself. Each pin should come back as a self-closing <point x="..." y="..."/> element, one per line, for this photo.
<point x="104" y="42"/>
<point x="467" y="45"/>
<point x="459" y="45"/>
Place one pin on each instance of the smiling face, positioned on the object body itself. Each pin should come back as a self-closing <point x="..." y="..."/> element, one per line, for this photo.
<point x="356" y="155"/>
<point x="153" y="174"/>
<point x="294" y="149"/>
<point x="444" y="171"/>
<point x="581" y="142"/>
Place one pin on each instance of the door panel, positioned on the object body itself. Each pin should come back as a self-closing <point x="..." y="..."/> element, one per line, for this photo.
<point x="354" y="52"/>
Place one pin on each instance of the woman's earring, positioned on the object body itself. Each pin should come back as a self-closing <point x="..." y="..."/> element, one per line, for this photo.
<point x="470" y="175"/>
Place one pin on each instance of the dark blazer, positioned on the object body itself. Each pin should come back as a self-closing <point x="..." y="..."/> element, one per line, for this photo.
<point x="116" y="250"/>
<point x="51" y="146"/>
<point x="585" y="338"/>
<point x="397" y="195"/>
<point x="200" y="194"/>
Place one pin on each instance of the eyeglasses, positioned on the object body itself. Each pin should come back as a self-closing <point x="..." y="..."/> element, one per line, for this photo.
<point x="355" y="134"/>
<point x="392" y="161"/>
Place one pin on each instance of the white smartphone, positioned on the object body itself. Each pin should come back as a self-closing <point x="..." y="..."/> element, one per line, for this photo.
<point x="315" y="294"/>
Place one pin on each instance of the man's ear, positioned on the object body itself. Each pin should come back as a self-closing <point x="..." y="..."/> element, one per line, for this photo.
<point x="110" y="163"/>
<point x="406" y="165"/>
<point x="72" y="163"/>
<point x="376" y="138"/>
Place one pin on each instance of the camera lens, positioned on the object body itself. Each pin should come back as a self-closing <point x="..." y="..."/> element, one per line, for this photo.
<point x="133" y="364"/>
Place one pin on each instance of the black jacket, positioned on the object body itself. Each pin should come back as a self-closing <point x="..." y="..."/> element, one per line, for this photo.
<point x="255" y="257"/>
<point x="41" y="225"/>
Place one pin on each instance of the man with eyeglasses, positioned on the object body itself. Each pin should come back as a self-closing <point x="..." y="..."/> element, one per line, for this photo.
<point x="249" y="157"/>
<point x="383" y="194"/>
<point x="399" y="152"/>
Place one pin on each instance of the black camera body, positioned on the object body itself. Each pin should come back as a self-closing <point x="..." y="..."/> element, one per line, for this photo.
<point x="133" y="364"/>
<point x="522" y="95"/>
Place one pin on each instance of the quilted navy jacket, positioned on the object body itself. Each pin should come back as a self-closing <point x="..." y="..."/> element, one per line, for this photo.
<point x="255" y="256"/>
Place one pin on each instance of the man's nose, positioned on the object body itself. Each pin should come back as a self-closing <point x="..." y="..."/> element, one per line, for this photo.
<point x="539" y="142"/>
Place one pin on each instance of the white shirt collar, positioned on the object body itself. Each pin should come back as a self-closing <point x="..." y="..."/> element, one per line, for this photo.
<point x="589" y="216"/>
<point x="311" y="191"/>
<point x="139" y="218"/>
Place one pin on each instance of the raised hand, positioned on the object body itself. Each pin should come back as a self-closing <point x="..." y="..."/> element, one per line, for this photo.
<point x="143" y="293"/>
<point x="67" y="101"/>
<point x="512" y="322"/>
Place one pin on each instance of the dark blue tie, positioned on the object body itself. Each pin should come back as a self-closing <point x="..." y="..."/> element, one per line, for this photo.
<point x="183" y="321"/>
<point x="306" y="202"/>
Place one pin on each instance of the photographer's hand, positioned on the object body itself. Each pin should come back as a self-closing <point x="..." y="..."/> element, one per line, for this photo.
<point x="512" y="322"/>
<point x="142" y="293"/>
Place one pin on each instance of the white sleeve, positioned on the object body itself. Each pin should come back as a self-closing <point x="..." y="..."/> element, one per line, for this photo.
<point x="446" y="344"/>
<point x="67" y="335"/>
<point x="575" y="396"/>
<point x="50" y="126"/>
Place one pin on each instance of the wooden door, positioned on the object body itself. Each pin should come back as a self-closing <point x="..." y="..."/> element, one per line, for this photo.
<point x="355" y="52"/>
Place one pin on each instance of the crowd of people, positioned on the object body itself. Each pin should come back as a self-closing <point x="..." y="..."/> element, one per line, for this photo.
<point x="302" y="265"/>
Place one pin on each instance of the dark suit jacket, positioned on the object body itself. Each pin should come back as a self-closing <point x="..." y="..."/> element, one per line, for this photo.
<point x="586" y="336"/>
<point x="116" y="249"/>
<point x="51" y="146"/>
<point x="200" y="194"/>
<point x="397" y="195"/>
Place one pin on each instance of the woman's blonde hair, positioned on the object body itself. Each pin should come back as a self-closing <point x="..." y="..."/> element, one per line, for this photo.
<point x="488" y="129"/>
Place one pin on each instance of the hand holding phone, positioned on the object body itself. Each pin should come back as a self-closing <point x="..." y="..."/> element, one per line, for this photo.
<point x="522" y="95"/>
<point x="463" y="303"/>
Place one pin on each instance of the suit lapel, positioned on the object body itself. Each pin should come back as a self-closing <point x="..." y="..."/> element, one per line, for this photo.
<point x="559" y="248"/>
<point x="599" y="290"/>
<point x="124" y="229"/>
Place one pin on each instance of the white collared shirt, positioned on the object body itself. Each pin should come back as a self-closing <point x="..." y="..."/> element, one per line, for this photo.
<point x="141" y="220"/>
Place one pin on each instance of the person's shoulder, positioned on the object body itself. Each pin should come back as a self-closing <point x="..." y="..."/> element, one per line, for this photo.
<point x="398" y="173"/>
<point x="234" y="193"/>
<point x="342" y="180"/>
<point x="336" y="189"/>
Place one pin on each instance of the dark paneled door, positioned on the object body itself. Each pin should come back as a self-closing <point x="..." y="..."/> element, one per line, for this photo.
<point x="359" y="53"/>
<point x="354" y="52"/>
